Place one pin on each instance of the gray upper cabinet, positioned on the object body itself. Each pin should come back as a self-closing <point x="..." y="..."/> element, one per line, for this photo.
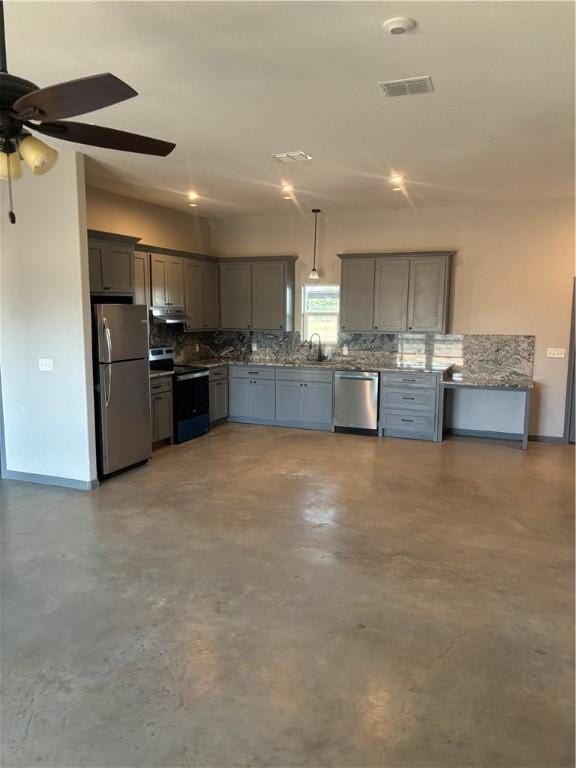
<point x="193" y="294"/>
<point x="357" y="295"/>
<point x="236" y="295"/>
<point x="111" y="263"/>
<point x="395" y="292"/>
<point x="141" y="278"/>
<point x="268" y="295"/>
<point x="391" y="294"/>
<point x="427" y="305"/>
<point x="166" y="276"/>
<point x="257" y="294"/>
<point x="210" y="296"/>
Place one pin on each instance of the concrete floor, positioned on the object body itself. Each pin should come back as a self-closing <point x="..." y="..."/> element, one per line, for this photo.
<point x="274" y="597"/>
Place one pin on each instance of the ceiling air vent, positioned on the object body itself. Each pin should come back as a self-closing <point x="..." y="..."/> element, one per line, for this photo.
<point x="411" y="86"/>
<point x="292" y="157"/>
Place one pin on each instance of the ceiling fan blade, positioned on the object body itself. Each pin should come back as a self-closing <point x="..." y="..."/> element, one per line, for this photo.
<point x="74" y="97"/>
<point x="98" y="136"/>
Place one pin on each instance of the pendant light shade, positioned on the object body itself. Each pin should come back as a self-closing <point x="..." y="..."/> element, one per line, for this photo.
<point x="10" y="166"/>
<point x="37" y="155"/>
<point x="314" y="274"/>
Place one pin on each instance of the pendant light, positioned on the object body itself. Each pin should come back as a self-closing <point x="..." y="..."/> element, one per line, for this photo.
<point x="314" y="274"/>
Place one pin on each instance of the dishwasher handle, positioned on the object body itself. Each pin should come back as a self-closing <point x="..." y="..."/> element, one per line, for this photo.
<point x="358" y="377"/>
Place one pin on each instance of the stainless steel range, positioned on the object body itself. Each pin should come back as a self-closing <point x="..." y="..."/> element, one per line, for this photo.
<point x="191" y="394"/>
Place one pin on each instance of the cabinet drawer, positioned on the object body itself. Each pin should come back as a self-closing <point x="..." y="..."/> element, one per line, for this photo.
<point x="161" y="384"/>
<point x="409" y="379"/>
<point x="418" y="425"/>
<point x="218" y="373"/>
<point x="308" y="375"/>
<point x="422" y="399"/>
<point x="252" y="372"/>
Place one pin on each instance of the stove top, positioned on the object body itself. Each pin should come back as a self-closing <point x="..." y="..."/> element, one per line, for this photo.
<point x="181" y="369"/>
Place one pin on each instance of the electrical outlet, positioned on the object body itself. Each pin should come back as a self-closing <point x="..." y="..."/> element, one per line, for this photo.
<point x="345" y="350"/>
<point x="254" y="347"/>
<point x="555" y="352"/>
<point x="197" y="347"/>
<point x="45" y="364"/>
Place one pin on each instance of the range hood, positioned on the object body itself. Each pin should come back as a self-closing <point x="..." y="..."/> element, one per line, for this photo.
<point x="169" y="317"/>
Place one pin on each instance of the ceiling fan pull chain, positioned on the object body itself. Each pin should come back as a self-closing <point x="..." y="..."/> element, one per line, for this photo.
<point x="11" y="214"/>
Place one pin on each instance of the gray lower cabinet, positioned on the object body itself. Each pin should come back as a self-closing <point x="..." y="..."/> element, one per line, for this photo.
<point x="409" y="405"/>
<point x="218" y="393"/>
<point x="393" y="293"/>
<point x="252" y="393"/>
<point x="218" y="400"/>
<point x="304" y="398"/>
<point x="111" y="264"/>
<point x="161" y="408"/>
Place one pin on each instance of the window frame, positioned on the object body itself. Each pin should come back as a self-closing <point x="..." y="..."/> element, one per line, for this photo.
<point x="305" y="314"/>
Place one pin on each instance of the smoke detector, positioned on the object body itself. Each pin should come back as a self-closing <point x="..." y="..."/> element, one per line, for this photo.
<point x="399" y="25"/>
<point x="292" y="157"/>
<point x="410" y="86"/>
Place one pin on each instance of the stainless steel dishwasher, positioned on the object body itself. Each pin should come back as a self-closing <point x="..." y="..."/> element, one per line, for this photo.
<point x="356" y="401"/>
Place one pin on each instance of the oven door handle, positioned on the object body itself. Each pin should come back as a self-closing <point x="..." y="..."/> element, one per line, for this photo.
<point x="188" y="376"/>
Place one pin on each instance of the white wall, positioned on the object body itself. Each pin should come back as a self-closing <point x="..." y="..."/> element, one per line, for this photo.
<point x="513" y="272"/>
<point x="153" y="224"/>
<point x="45" y="312"/>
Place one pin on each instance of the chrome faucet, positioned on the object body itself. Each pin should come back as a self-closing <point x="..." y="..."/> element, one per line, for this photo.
<point x="319" y="355"/>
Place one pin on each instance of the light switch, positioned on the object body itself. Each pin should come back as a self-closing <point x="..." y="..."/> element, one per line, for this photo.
<point x="254" y="346"/>
<point x="45" y="364"/>
<point x="555" y="352"/>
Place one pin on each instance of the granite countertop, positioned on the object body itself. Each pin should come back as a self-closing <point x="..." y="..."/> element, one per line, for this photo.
<point x="505" y="381"/>
<point x="389" y="364"/>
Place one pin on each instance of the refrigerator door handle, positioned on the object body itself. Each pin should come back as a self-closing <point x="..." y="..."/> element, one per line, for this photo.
<point x="108" y="390"/>
<point x="108" y="337"/>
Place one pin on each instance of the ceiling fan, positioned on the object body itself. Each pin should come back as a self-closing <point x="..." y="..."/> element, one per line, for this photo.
<point x="25" y="107"/>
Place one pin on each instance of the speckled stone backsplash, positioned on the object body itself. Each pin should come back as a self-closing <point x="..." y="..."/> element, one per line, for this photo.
<point x="476" y="354"/>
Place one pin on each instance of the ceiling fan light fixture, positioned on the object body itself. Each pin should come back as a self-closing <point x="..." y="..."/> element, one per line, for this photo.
<point x="10" y="166"/>
<point x="37" y="155"/>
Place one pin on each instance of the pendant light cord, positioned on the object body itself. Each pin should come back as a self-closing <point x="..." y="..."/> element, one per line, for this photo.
<point x="315" y="228"/>
<point x="315" y="211"/>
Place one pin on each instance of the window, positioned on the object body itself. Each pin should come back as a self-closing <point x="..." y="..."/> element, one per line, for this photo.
<point x="320" y="307"/>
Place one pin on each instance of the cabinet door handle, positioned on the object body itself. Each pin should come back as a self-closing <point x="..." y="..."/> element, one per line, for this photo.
<point x="408" y="420"/>
<point x="404" y="397"/>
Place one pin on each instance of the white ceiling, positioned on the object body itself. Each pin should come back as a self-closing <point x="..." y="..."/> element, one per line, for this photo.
<point x="233" y="82"/>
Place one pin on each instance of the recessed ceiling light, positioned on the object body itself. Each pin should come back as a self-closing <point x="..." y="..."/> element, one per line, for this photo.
<point x="193" y="205"/>
<point x="399" y="25"/>
<point x="193" y="195"/>
<point x="287" y="197"/>
<point x="287" y="188"/>
<point x="292" y="157"/>
<point x="396" y="189"/>
<point x="396" y="178"/>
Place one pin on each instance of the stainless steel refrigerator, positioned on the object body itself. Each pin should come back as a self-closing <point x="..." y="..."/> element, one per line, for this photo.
<point x="122" y="382"/>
